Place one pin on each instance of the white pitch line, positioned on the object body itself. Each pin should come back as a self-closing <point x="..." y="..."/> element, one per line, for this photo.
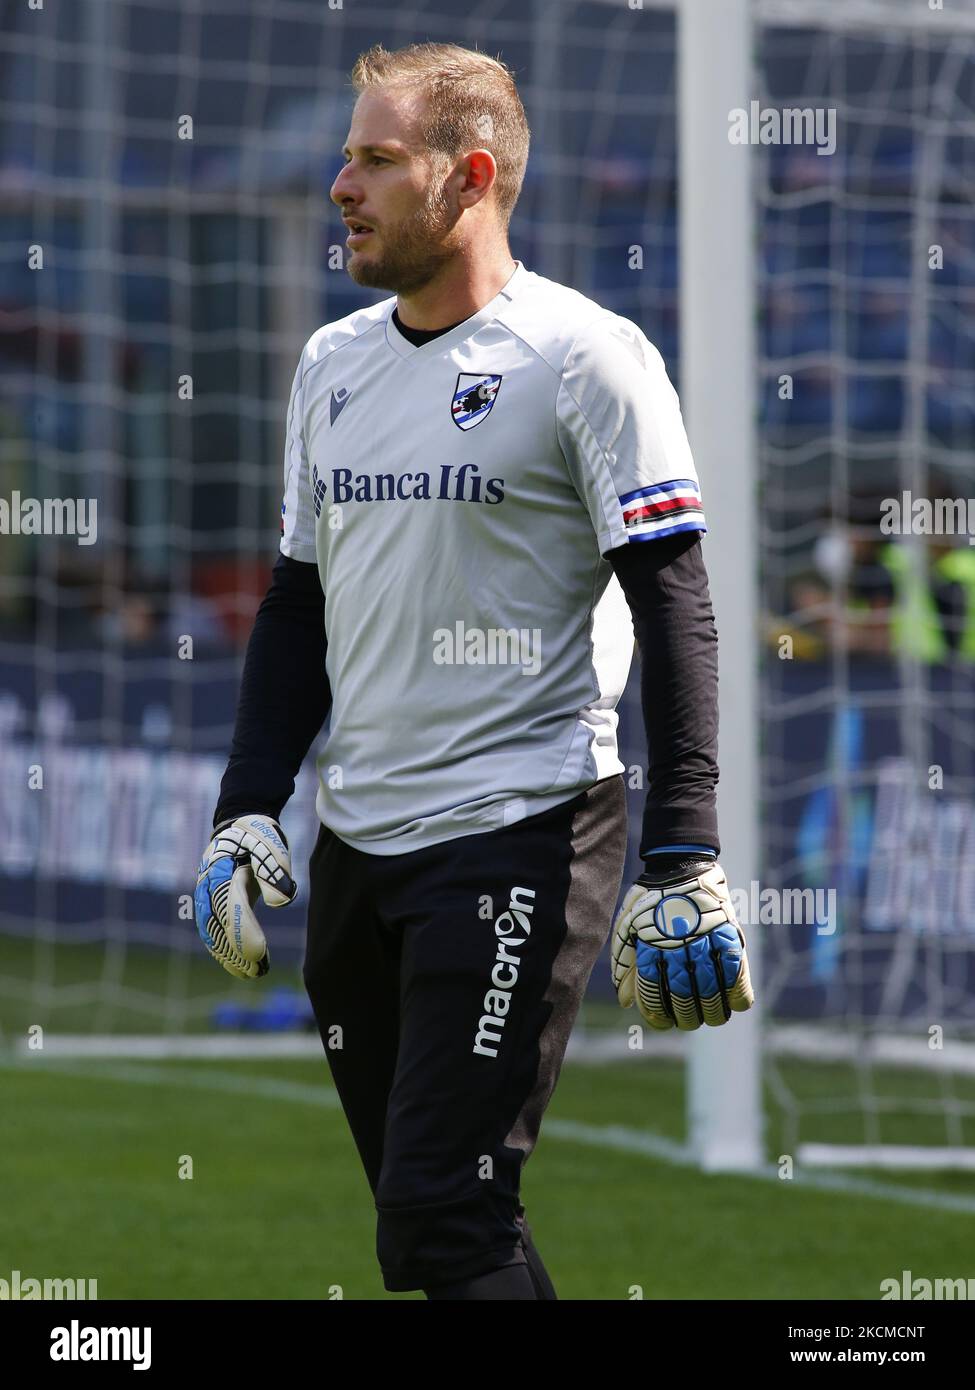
<point x="920" y="1157"/>
<point x="243" y="1046"/>
<point x="191" y="1078"/>
<point x="620" y="1138"/>
<point x="590" y="1047"/>
<point x="187" y="1046"/>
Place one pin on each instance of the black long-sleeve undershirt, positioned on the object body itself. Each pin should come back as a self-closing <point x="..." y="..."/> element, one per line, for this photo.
<point x="285" y="695"/>
<point x="666" y="586"/>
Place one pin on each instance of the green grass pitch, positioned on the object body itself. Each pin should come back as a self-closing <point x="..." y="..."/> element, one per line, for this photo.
<point x="278" y="1206"/>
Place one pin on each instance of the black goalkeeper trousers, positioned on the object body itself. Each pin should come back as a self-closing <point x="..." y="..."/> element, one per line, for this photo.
<point x="445" y="983"/>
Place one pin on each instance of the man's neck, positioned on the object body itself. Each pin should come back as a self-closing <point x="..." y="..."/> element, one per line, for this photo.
<point x="458" y="291"/>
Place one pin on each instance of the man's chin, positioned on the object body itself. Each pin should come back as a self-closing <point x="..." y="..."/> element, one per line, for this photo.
<point x="367" y="273"/>
<point x="394" y="274"/>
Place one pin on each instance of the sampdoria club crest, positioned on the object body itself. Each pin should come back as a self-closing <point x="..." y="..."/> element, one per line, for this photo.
<point x="473" y="398"/>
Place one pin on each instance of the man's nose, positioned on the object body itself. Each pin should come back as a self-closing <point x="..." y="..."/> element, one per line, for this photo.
<point x="343" y="188"/>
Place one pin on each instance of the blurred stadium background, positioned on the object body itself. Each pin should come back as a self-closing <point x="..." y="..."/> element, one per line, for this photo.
<point x="146" y="362"/>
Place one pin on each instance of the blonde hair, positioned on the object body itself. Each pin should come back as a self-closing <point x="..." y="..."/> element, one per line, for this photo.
<point x="472" y="103"/>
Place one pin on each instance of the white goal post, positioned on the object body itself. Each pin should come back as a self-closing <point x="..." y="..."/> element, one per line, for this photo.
<point x="718" y="393"/>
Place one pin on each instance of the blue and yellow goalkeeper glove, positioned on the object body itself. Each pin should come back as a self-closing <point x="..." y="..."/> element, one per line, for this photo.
<point x="678" y="951"/>
<point x="248" y="858"/>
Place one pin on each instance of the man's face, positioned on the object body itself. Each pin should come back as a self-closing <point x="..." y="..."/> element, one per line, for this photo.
<point x="392" y="186"/>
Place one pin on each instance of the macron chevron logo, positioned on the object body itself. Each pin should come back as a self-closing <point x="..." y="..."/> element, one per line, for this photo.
<point x="339" y="401"/>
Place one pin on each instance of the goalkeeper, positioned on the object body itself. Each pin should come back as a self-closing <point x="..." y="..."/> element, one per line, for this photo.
<point x="488" y="492"/>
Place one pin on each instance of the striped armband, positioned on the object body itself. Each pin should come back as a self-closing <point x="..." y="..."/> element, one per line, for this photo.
<point x="663" y="509"/>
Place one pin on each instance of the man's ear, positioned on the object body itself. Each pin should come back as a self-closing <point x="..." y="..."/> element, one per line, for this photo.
<point x="482" y="170"/>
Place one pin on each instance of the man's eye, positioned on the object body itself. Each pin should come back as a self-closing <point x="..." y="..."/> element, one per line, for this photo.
<point x="378" y="159"/>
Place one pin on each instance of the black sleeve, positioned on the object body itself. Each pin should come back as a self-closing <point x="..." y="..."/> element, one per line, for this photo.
<point x="666" y="586"/>
<point x="284" y="694"/>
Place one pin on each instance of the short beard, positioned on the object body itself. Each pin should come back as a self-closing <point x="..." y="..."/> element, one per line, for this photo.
<point x="415" y="249"/>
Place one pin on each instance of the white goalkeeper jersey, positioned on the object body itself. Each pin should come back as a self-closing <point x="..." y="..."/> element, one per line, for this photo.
<point x="459" y="498"/>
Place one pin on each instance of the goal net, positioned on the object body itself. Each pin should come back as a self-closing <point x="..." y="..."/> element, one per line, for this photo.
<point x="865" y="291"/>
